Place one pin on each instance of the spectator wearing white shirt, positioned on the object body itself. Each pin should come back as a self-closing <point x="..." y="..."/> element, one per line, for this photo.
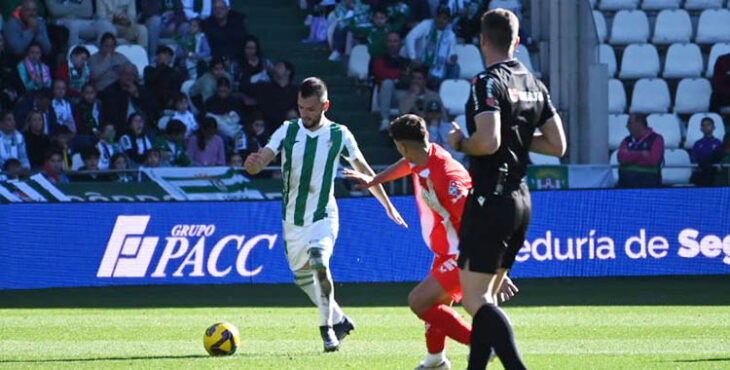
<point x="136" y="143"/>
<point x="62" y="107"/>
<point x="432" y="44"/>
<point x="183" y="114"/>
<point x="12" y="143"/>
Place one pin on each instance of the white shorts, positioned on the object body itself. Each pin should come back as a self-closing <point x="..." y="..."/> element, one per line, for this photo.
<point x="299" y="239"/>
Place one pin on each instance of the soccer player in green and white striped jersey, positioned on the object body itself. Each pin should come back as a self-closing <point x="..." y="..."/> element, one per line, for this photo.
<point x="311" y="148"/>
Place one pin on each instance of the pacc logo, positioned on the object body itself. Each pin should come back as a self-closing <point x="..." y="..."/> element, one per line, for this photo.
<point x="129" y="253"/>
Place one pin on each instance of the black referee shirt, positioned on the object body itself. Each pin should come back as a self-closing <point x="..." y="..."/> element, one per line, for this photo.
<point x="524" y="104"/>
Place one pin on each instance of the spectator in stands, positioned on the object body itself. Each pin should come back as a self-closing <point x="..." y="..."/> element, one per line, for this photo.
<point x="255" y="68"/>
<point x="12" y="142"/>
<point x="419" y="95"/>
<point x="390" y="73"/>
<point x="107" y="145"/>
<point x="163" y="18"/>
<point x="183" y="114"/>
<point x="436" y="43"/>
<point x="78" y="17"/>
<point x="706" y="152"/>
<point x="162" y="81"/>
<point x="61" y="139"/>
<point x="62" y="107"/>
<point x="120" y="163"/>
<point x="439" y="128"/>
<point x="206" y="85"/>
<point x="349" y="15"/>
<point x="11" y="87"/>
<point x="90" y="156"/>
<point x="88" y="112"/>
<point x="225" y="109"/>
<point x="54" y="168"/>
<point x="198" y="8"/>
<point x="12" y="169"/>
<point x="106" y="64"/>
<point x="398" y="13"/>
<point x="466" y="14"/>
<point x="254" y="138"/>
<point x="640" y="155"/>
<point x="32" y="71"/>
<point x="123" y="15"/>
<point x="75" y="71"/>
<point x="375" y="35"/>
<point x="226" y="30"/>
<point x="123" y="98"/>
<point x="276" y="98"/>
<point x="41" y="102"/>
<point x="36" y="141"/>
<point x="135" y="143"/>
<point x="152" y="158"/>
<point x="172" y="145"/>
<point x="194" y="50"/>
<point x="235" y="160"/>
<point x="25" y="27"/>
<point x="206" y="147"/>
<point x="721" y="85"/>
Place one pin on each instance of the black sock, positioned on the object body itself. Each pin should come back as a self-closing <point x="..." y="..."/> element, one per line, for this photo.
<point x="491" y="329"/>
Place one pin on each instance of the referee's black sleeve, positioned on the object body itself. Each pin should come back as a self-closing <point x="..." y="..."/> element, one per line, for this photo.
<point x="486" y="94"/>
<point x="548" y="110"/>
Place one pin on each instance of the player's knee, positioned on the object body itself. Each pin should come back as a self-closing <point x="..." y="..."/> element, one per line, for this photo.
<point x="416" y="302"/>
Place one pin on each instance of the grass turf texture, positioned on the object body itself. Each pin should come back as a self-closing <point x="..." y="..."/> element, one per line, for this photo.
<point x="600" y="323"/>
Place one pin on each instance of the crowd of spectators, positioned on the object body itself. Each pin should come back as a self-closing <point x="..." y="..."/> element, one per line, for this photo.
<point x="71" y="99"/>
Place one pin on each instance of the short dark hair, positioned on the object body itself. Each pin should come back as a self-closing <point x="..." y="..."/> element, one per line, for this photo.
<point x="639" y="117"/>
<point x="500" y="27"/>
<point x="175" y="127"/>
<point x="4" y="114"/>
<point x="380" y="9"/>
<point x="216" y="61"/>
<point x="408" y="127"/>
<point x="11" y="162"/>
<point x="708" y="118"/>
<point x="164" y="49"/>
<point x="80" y="49"/>
<point x="44" y="92"/>
<point x="51" y="151"/>
<point x="90" y="152"/>
<point x="107" y="36"/>
<point x="223" y="81"/>
<point x="289" y="67"/>
<point x="313" y="86"/>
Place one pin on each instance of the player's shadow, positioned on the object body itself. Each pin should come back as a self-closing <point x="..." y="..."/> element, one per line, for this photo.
<point x="716" y="359"/>
<point x="117" y="358"/>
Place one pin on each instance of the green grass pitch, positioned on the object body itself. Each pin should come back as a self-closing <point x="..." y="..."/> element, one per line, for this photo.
<point x="600" y="323"/>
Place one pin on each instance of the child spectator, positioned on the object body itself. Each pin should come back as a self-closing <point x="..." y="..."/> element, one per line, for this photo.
<point x="61" y="139"/>
<point x="36" y="141"/>
<point x="54" y="167"/>
<point x="206" y="85"/>
<point x="235" y="160"/>
<point x="375" y="35"/>
<point x="136" y="143"/>
<point x="12" y="170"/>
<point x="206" y="147"/>
<point x="349" y="14"/>
<point x="224" y="108"/>
<point x="172" y="145"/>
<point x="119" y="164"/>
<point x="161" y="80"/>
<point x="12" y="142"/>
<point x="194" y="48"/>
<point x="32" y="71"/>
<point x="90" y="156"/>
<point x="75" y="71"/>
<point x="88" y="112"/>
<point x="706" y="152"/>
<point x="152" y="158"/>
<point x="254" y="138"/>
<point x="183" y="114"/>
<point x="107" y="145"/>
<point x="62" y="107"/>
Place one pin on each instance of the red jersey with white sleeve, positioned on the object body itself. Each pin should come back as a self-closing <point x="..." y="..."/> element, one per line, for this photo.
<point x="441" y="188"/>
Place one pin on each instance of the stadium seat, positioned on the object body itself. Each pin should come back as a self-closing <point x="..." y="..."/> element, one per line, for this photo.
<point x="514" y="5"/>
<point x="601" y="28"/>
<point x="544" y="160"/>
<point x="618" y="4"/>
<point x="137" y="55"/>
<point x="359" y="63"/>
<point x="639" y="61"/>
<point x="93" y="49"/>
<point x="617" y="130"/>
<point x="693" y="128"/>
<point x="702" y="4"/>
<point x="76" y="162"/>
<point x="672" y="26"/>
<point x="629" y="27"/>
<point x="693" y="95"/>
<point x="454" y="94"/>
<point x="185" y="89"/>
<point x="651" y="95"/>
<point x="470" y="60"/>
<point x="676" y="176"/>
<point x="523" y="55"/>
<point x="666" y="125"/>
<point x="616" y="96"/>
<point x="607" y="57"/>
<point x="461" y="120"/>
<point x="613" y="161"/>
<point x="717" y="50"/>
<point x="683" y="60"/>
<point x="713" y="26"/>
<point x="660" y="4"/>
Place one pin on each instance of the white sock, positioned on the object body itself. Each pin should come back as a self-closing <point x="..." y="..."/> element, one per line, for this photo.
<point x="305" y="281"/>
<point x="324" y="300"/>
<point x="433" y="359"/>
<point x="337" y="314"/>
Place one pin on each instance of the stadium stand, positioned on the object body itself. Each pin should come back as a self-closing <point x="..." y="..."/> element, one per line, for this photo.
<point x="672" y="25"/>
<point x="616" y="96"/>
<point x="607" y="56"/>
<point x="667" y="125"/>
<point x="639" y="61"/>
<point x="651" y="95"/>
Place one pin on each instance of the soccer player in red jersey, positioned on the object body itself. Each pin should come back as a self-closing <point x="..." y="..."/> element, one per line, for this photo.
<point x="441" y="186"/>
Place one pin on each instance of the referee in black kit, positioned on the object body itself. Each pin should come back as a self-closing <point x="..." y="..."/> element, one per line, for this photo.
<point x="506" y="105"/>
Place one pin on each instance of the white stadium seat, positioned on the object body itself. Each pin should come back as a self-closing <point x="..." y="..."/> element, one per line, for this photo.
<point x="454" y="94"/>
<point x="666" y="125"/>
<point x="703" y="4"/>
<point x="660" y="4"/>
<point x="629" y="27"/>
<point x="544" y="160"/>
<point x="683" y="60"/>
<point x="693" y="95"/>
<point x="137" y="55"/>
<point x="717" y="50"/>
<point x="675" y="176"/>
<point x="461" y="120"/>
<point x="76" y="162"/>
<point x="470" y="60"/>
<point x="639" y="61"/>
<point x="694" y="132"/>
<point x="651" y="95"/>
<point x="672" y="26"/>
<point x="613" y="161"/>
<point x="616" y="96"/>
<point x="523" y="55"/>
<point x="185" y="89"/>
<point x="713" y="26"/>
<point x="618" y="4"/>
<point x="608" y="57"/>
<point x="601" y="28"/>
<point x="93" y="49"/>
<point x="617" y="130"/>
<point x="359" y="63"/>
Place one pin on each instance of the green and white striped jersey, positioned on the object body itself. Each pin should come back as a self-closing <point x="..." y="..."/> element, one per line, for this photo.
<point x="309" y="166"/>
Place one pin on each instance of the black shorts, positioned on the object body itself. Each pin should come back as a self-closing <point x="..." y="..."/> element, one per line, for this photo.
<point x="493" y="232"/>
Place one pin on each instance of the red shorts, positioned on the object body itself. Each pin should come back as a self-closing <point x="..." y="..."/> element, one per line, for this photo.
<point x="446" y="271"/>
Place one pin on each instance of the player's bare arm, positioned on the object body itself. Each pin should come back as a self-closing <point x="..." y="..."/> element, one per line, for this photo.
<point x="485" y="140"/>
<point x="360" y="165"/>
<point x="256" y="162"/>
<point x="551" y="139"/>
<point x="394" y="172"/>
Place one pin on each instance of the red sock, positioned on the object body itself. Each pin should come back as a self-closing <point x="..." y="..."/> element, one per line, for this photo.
<point x="449" y="322"/>
<point x="435" y="339"/>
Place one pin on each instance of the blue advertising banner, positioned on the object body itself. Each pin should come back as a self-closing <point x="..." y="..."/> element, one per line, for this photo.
<point x="573" y="233"/>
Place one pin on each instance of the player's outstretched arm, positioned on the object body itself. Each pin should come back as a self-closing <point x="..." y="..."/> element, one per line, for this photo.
<point x="360" y="165"/>
<point x="394" y="172"/>
<point x="256" y="162"/>
<point x="551" y="139"/>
